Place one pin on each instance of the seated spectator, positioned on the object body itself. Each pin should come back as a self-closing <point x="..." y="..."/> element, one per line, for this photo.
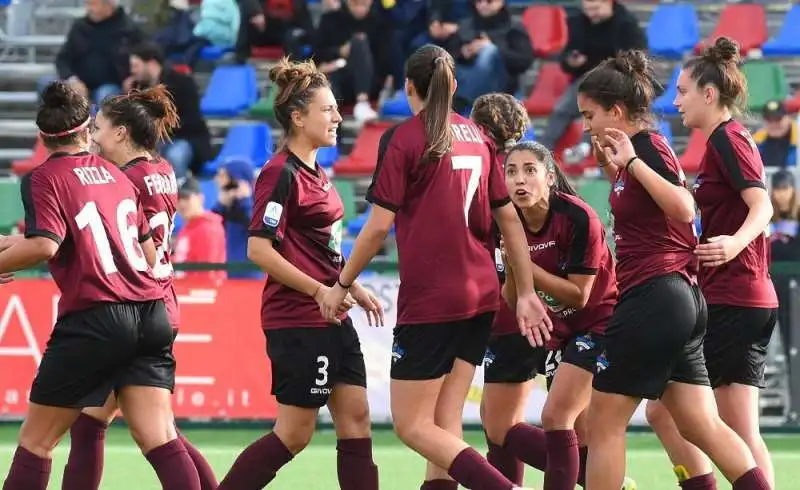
<point x="277" y="23"/>
<point x="352" y="45"/>
<point x="409" y="19"/>
<point x="175" y="35"/>
<point x="202" y="238"/>
<point x="491" y="51"/>
<point x="218" y="26"/>
<point x="777" y="140"/>
<point x="190" y="147"/>
<point x="600" y="30"/>
<point x="97" y="73"/>
<point x="235" y="180"/>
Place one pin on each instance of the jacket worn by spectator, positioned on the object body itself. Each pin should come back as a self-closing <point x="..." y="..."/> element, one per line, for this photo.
<point x="219" y="22"/>
<point x="602" y="40"/>
<point x="202" y="239"/>
<point x="279" y="14"/>
<point x="96" y="52"/>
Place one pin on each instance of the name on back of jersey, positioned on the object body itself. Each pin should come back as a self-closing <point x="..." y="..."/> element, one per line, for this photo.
<point x="93" y="175"/>
<point x="161" y="184"/>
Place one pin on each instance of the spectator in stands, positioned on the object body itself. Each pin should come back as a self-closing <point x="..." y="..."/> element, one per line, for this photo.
<point x="491" y="51"/>
<point x="600" y="30"/>
<point x="202" y="237"/>
<point x="235" y="180"/>
<point x="777" y="140"/>
<point x="190" y="147"/>
<point x="353" y="46"/>
<point x="95" y="72"/>
<point x="176" y="33"/>
<point x="279" y="23"/>
<point x="218" y="26"/>
<point x="409" y="19"/>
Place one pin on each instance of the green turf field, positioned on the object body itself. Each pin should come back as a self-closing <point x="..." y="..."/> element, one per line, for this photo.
<point x="400" y="469"/>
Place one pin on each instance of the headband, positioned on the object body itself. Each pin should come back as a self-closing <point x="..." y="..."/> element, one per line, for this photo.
<point x="74" y="130"/>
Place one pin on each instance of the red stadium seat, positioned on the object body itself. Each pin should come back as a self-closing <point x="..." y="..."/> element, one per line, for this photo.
<point x="364" y="155"/>
<point x="547" y="28"/>
<point x="551" y="82"/>
<point x="270" y="53"/>
<point x="695" y="148"/>
<point x="40" y="154"/>
<point x="793" y="104"/>
<point x="745" y="23"/>
<point x="571" y="137"/>
<point x="182" y="68"/>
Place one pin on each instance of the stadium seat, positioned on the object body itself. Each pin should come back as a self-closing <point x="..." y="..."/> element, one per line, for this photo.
<point x="364" y="154"/>
<point x="793" y="104"/>
<point x="231" y="90"/>
<point x="595" y="192"/>
<point x="269" y="53"/>
<point x="396" y="106"/>
<point x="40" y="154"/>
<point x="326" y="156"/>
<point x="530" y="134"/>
<point x="665" y="128"/>
<point x="354" y="225"/>
<point x="210" y="192"/>
<point x="765" y="81"/>
<point x="673" y="30"/>
<point x="663" y="104"/>
<point x="264" y="108"/>
<point x="347" y="247"/>
<point x="550" y="83"/>
<point x="744" y="22"/>
<point x="347" y="192"/>
<point x="251" y="140"/>
<point x="572" y="137"/>
<point x="547" y="28"/>
<point x="10" y="203"/>
<point x="695" y="148"/>
<point x="214" y="53"/>
<point x="787" y="42"/>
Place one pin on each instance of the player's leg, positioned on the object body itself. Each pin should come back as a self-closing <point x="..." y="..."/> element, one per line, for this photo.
<point x="349" y="409"/>
<point x="84" y="468"/>
<point x="208" y="480"/>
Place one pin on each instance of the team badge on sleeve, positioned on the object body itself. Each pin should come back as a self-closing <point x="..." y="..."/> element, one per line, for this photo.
<point x="272" y="214"/>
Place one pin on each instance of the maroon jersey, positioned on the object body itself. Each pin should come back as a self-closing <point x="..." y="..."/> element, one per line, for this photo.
<point x="648" y="243"/>
<point x="730" y="165"/>
<point x="88" y="206"/>
<point x="572" y="241"/>
<point x="447" y="273"/>
<point x="297" y="208"/>
<point x="158" y="193"/>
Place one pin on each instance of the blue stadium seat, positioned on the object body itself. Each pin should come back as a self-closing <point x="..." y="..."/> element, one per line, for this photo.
<point x="665" y="128"/>
<point x="210" y="192"/>
<point x="231" y="90"/>
<point x="347" y="246"/>
<point x="214" y="53"/>
<point x="326" y="156"/>
<point x="396" y="106"/>
<point x="787" y="42"/>
<point x="663" y="104"/>
<point x="354" y="225"/>
<point x="673" y="30"/>
<point x="251" y="140"/>
<point x="530" y="134"/>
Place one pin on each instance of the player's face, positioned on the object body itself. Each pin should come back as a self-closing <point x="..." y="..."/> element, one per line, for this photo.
<point x="690" y="101"/>
<point x="527" y="179"/>
<point x="107" y="138"/>
<point x="596" y="119"/>
<point x="320" y="123"/>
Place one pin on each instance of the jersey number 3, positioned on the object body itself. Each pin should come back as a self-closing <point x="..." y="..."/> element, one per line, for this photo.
<point x="474" y="164"/>
<point x="89" y="216"/>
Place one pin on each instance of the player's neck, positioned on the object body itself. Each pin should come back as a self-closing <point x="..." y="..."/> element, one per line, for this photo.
<point x="70" y="149"/>
<point x="305" y="152"/>
<point x="129" y="156"/>
<point x="631" y="129"/>
<point x="536" y="215"/>
<point x="714" y="121"/>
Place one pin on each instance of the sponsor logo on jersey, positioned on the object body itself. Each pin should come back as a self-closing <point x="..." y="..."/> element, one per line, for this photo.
<point x="272" y="214"/>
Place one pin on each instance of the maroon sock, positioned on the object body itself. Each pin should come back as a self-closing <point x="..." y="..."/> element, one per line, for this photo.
<point x="506" y="463"/>
<point x="439" y="485"/>
<point x="28" y="471"/>
<point x="583" y="453"/>
<point x="700" y="482"/>
<point x="354" y="464"/>
<point x="563" y="460"/>
<point x="527" y="442"/>
<point x="84" y="467"/>
<point x="208" y="481"/>
<point x="257" y="465"/>
<point x="174" y="467"/>
<point x="472" y="471"/>
<point x="752" y="480"/>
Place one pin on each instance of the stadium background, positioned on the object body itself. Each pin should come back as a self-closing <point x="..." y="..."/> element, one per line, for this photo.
<point x="223" y="393"/>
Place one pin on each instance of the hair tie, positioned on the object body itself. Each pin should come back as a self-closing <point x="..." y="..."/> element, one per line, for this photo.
<point x="74" y="130"/>
<point x="509" y="143"/>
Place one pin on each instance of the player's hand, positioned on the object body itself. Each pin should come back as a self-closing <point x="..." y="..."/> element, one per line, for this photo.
<point x="332" y="302"/>
<point x="718" y="250"/>
<point x="6" y="277"/>
<point x="534" y="323"/>
<point x="619" y="149"/>
<point x="369" y="302"/>
<point x="598" y="151"/>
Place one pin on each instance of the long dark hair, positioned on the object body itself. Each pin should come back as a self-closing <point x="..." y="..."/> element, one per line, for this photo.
<point x="149" y="115"/>
<point x="544" y="155"/>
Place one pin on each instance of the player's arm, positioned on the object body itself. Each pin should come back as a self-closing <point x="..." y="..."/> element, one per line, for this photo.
<point x="759" y="214"/>
<point x="27" y="253"/>
<point x="260" y="251"/>
<point x="9" y="240"/>
<point x="149" y="250"/>
<point x="509" y="289"/>
<point x="573" y="291"/>
<point x="368" y="243"/>
<point x="146" y="237"/>
<point x="516" y="245"/>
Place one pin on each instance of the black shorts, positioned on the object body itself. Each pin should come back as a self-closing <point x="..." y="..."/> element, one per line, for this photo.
<point x="511" y="359"/>
<point x="581" y="351"/>
<point x="655" y="336"/>
<point x="102" y="349"/>
<point x="428" y="351"/>
<point x="736" y="344"/>
<point x="308" y="362"/>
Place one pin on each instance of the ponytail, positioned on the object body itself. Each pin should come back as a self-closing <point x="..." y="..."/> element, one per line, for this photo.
<point x="438" y="103"/>
<point x="563" y="185"/>
<point x="543" y="155"/>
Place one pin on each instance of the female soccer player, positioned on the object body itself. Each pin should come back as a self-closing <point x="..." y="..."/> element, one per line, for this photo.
<point x="735" y="211"/>
<point x="296" y="237"/>
<point x="437" y="175"/>
<point x="127" y="129"/>
<point x="112" y="332"/>
<point x="654" y="339"/>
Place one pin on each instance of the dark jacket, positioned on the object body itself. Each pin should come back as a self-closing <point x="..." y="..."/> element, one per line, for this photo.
<point x="600" y="41"/>
<point x="283" y="13"/>
<point x="97" y="52"/>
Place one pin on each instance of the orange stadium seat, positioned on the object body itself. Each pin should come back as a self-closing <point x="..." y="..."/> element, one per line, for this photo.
<point x="690" y="160"/>
<point x="40" y="154"/>
<point x="547" y="28"/>
<point x="745" y="23"/>
<point x="551" y="82"/>
<point x="364" y="155"/>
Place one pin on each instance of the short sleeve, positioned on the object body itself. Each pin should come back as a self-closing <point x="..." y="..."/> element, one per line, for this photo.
<point x="740" y="158"/>
<point x="43" y="215"/>
<point x="586" y="243"/>
<point x="498" y="191"/>
<point x="662" y="160"/>
<point x="145" y="232"/>
<point x="272" y="192"/>
<point x="388" y="187"/>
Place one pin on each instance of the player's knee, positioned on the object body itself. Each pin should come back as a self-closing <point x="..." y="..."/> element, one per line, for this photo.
<point x="657" y="416"/>
<point x="410" y="432"/>
<point x="354" y="424"/>
<point x="39" y="445"/>
<point x="556" y="416"/>
<point x="496" y="430"/>
<point x="154" y="433"/>
<point x="297" y="438"/>
<point x="699" y="433"/>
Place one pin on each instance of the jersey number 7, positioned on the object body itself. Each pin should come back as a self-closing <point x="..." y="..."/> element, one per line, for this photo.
<point x="474" y="164"/>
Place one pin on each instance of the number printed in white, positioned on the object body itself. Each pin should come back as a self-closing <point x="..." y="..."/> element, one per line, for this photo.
<point x="475" y="166"/>
<point x="163" y="267"/>
<point x="89" y="216"/>
<point x="322" y="369"/>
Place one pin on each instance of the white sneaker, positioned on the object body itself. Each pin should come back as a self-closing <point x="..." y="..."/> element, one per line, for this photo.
<point x="363" y="112"/>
